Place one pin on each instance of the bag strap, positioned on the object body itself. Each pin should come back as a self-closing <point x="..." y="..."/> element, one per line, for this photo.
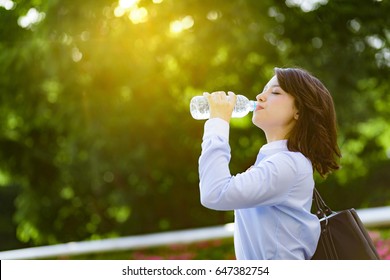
<point x="323" y="210"/>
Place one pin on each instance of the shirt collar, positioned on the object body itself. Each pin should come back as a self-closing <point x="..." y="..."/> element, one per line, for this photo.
<point x="274" y="147"/>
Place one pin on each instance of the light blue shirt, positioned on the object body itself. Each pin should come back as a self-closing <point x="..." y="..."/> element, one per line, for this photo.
<point x="271" y="200"/>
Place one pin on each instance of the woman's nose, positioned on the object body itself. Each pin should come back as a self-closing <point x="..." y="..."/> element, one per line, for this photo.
<point x="260" y="97"/>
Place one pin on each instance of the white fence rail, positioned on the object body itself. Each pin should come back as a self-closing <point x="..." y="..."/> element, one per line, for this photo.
<point x="371" y="217"/>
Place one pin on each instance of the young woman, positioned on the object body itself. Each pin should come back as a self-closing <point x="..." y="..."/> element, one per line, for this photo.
<point x="272" y="199"/>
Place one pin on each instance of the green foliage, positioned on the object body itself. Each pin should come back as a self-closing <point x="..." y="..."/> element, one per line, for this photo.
<point x="95" y="132"/>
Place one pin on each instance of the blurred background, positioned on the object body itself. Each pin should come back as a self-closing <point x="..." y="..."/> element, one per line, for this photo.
<point x="96" y="139"/>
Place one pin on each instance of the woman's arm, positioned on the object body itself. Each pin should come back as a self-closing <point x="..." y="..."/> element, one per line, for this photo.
<point x="265" y="184"/>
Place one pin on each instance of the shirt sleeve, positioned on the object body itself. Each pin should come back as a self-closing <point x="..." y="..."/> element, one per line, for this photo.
<point x="265" y="184"/>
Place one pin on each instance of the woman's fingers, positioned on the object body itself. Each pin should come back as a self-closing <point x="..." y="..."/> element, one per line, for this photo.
<point x="221" y="104"/>
<point x="232" y="97"/>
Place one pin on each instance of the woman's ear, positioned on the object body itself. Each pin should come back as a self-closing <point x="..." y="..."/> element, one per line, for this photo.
<point x="296" y="115"/>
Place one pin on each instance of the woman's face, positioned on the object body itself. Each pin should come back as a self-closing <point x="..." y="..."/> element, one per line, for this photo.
<point x="275" y="112"/>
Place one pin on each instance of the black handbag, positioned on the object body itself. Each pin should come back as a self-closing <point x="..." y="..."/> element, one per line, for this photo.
<point x="343" y="235"/>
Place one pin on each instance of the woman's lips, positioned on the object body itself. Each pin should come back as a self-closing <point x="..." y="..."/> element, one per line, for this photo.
<point x="258" y="107"/>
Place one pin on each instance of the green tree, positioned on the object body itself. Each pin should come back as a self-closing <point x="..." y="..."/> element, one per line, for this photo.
<point x="348" y="47"/>
<point x="96" y="133"/>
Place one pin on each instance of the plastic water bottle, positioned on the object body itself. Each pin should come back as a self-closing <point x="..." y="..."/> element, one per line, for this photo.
<point x="199" y="107"/>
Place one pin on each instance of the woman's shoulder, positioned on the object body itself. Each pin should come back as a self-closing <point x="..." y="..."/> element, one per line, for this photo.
<point x="296" y="159"/>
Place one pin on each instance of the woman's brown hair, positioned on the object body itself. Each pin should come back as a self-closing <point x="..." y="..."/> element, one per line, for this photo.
<point x="315" y="133"/>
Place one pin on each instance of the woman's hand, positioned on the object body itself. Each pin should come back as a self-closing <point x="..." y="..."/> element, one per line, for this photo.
<point x="221" y="105"/>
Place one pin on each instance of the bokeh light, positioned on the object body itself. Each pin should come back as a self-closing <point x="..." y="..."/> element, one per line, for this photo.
<point x="178" y="26"/>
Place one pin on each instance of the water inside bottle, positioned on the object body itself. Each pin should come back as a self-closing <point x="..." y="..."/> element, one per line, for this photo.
<point x="200" y="109"/>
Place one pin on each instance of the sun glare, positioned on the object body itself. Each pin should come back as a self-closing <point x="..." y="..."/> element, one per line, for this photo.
<point x="130" y="8"/>
<point x="178" y="26"/>
<point x="7" y="4"/>
<point x="138" y="15"/>
<point x="32" y="17"/>
<point x="128" y="4"/>
<point x="306" y="5"/>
